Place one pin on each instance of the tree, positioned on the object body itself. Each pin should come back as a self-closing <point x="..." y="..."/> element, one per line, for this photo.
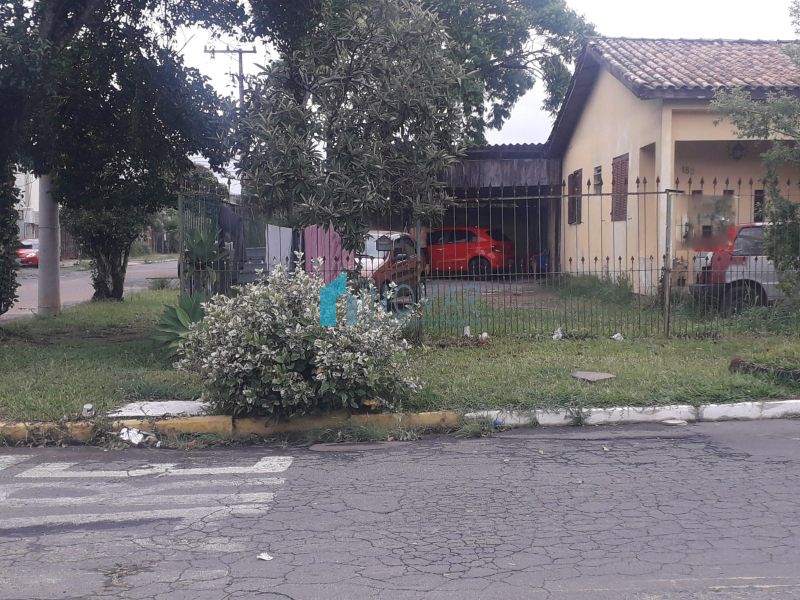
<point x="357" y="117"/>
<point x="94" y="93"/>
<point x="116" y="135"/>
<point x="775" y="118"/>
<point x="503" y="46"/>
<point x="50" y="48"/>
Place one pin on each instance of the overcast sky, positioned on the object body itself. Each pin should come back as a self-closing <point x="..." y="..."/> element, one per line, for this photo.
<point x="730" y="19"/>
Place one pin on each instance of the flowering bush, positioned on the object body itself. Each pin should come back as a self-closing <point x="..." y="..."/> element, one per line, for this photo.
<point x="263" y="351"/>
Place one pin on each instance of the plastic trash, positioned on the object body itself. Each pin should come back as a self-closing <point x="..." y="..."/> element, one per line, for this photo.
<point x="617" y="337"/>
<point x="557" y="334"/>
<point x="467" y="331"/>
<point x="88" y="411"/>
<point x="484" y="337"/>
<point x="264" y="556"/>
<point x="131" y="435"/>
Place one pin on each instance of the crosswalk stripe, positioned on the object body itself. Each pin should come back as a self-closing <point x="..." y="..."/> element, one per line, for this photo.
<point x="116" y="488"/>
<point x="268" y="464"/>
<point x="121" y="500"/>
<point x="117" y="517"/>
<point x="10" y="461"/>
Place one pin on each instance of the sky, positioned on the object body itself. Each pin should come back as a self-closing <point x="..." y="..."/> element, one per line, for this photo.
<point x="729" y="19"/>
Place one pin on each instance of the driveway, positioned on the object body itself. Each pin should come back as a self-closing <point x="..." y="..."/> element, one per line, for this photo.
<point x="648" y="512"/>
<point x="76" y="286"/>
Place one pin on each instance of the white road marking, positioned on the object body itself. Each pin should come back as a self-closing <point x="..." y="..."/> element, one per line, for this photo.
<point x="10" y="461"/>
<point x="117" y="517"/>
<point x="210" y="493"/>
<point x="115" y="489"/>
<point x="122" y="500"/>
<point x="268" y="464"/>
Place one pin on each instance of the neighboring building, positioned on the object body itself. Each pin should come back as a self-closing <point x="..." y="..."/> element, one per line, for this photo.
<point x="635" y="122"/>
<point x="28" y="206"/>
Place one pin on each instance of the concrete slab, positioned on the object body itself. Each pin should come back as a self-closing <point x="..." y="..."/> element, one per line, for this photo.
<point x="592" y="376"/>
<point x="188" y="408"/>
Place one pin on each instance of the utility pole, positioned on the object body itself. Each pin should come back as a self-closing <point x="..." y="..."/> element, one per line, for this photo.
<point x="240" y="52"/>
<point x="49" y="285"/>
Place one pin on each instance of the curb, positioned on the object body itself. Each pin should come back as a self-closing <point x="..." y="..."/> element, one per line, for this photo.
<point x="739" y="411"/>
<point x="84" y="432"/>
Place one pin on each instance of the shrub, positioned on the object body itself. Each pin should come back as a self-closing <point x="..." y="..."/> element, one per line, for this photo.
<point x="8" y="239"/>
<point x="263" y="351"/>
<point x="175" y="322"/>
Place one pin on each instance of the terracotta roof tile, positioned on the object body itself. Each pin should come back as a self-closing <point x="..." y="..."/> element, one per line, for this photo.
<point x="659" y="66"/>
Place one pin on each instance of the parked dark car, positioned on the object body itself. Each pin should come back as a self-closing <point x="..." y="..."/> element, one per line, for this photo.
<point x="403" y="270"/>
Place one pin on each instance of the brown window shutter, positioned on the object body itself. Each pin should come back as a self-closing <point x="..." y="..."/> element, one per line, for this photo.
<point x="619" y="188"/>
<point x="574" y="207"/>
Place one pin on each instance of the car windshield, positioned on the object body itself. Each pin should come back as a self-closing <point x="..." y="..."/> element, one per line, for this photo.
<point x="26" y="246"/>
<point x="499" y="236"/>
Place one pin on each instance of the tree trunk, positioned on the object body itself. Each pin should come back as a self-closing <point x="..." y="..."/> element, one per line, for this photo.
<point x="108" y="274"/>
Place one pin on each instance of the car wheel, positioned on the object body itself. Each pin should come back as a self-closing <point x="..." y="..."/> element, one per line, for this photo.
<point x="479" y="267"/>
<point x="743" y="297"/>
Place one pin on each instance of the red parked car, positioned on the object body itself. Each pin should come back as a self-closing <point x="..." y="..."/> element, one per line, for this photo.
<point x="28" y="253"/>
<point x="472" y="250"/>
<point x="734" y="271"/>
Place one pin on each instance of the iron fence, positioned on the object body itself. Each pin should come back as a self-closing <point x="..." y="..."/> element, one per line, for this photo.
<point x="516" y="261"/>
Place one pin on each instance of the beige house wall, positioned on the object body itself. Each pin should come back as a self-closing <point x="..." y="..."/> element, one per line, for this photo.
<point x="614" y="122"/>
<point x="680" y="144"/>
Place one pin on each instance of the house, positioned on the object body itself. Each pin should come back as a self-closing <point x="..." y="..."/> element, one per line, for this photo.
<point x="28" y="206"/>
<point x="635" y="123"/>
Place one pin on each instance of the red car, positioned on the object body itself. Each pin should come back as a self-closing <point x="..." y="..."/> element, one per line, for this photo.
<point x="28" y="253"/>
<point x="472" y="250"/>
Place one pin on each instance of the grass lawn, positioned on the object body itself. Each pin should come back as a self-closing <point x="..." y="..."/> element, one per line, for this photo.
<point x="514" y="373"/>
<point x="103" y="354"/>
<point x="100" y="353"/>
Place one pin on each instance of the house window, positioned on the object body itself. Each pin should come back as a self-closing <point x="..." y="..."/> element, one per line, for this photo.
<point x="597" y="181"/>
<point x="619" y="188"/>
<point x="575" y="202"/>
<point x="758" y="206"/>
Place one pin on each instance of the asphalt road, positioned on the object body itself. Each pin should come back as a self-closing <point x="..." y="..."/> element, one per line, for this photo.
<point x="644" y="513"/>
<point x="76" y="286"/>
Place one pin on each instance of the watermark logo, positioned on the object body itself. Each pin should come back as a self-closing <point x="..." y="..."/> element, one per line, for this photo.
<point x="327" y="302"/>
<point x="330" y="294"/>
